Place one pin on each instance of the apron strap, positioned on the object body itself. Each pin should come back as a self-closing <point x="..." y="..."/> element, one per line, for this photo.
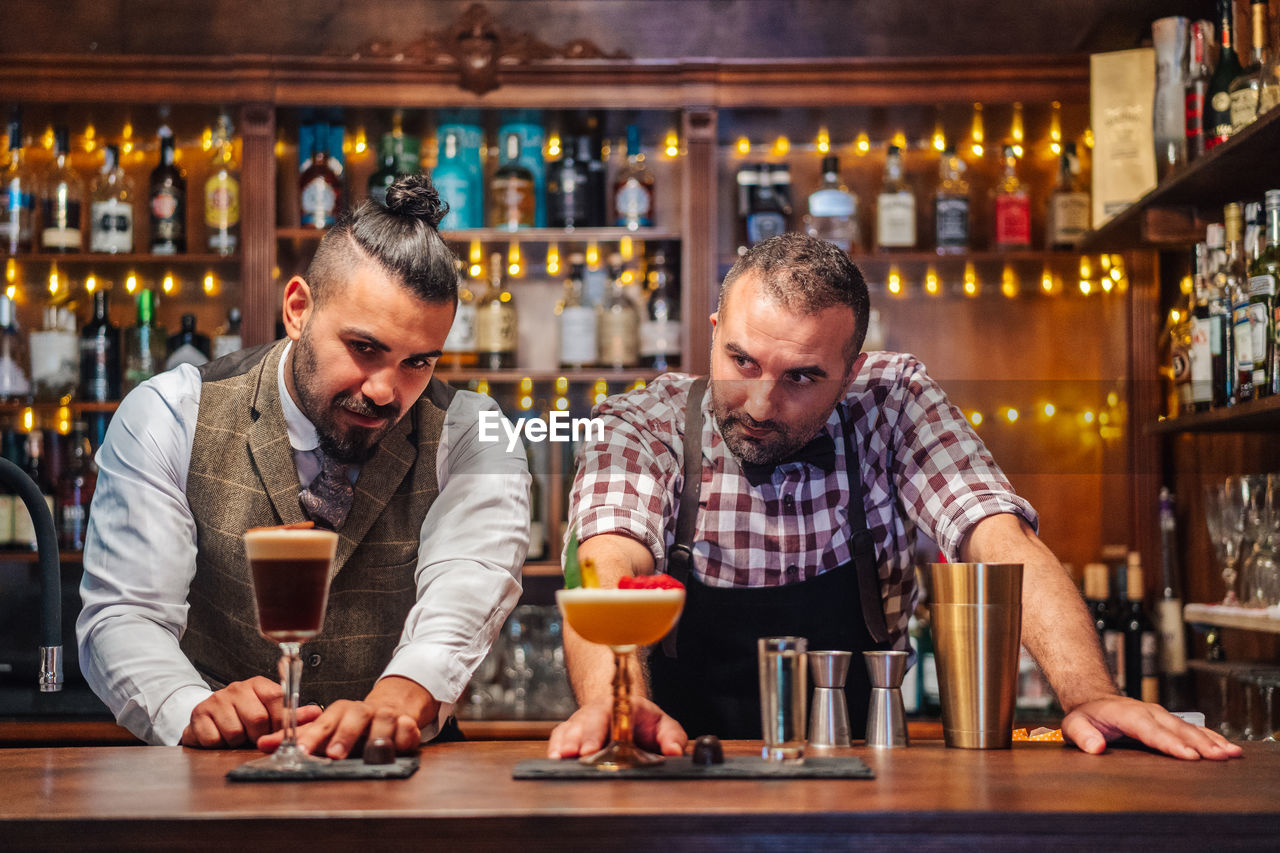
<point x="862" y="544"/>
<point x="680" y="557"/>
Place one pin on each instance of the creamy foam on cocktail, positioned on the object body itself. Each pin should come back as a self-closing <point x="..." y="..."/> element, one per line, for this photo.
<point x="621" y="617"/>
<point x="290" y="579"/>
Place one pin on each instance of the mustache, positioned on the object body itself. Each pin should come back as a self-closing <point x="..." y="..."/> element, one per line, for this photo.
<point x="361" y="406"/>
<point x="748" y="421"/>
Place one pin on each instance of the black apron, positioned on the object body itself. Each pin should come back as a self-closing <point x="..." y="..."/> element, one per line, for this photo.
<point x="705" y="673"/>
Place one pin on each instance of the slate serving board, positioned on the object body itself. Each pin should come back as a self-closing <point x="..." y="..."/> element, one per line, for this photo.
<point x="734" y="767"/>
<point x="347" y="768"/>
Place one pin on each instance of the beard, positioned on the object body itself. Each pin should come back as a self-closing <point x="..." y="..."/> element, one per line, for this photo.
<point x="349" y="444"/>
<point x="780" y="440"/>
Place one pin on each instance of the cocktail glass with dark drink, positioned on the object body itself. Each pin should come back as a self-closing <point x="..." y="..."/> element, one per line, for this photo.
<point x="290" y="568"/>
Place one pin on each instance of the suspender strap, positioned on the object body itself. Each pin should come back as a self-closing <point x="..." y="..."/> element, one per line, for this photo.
<point x="680" y="557"/>
<point x="862" y="545"/>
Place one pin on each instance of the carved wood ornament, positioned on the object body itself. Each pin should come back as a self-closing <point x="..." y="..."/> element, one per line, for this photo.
<point x="478" y="48"/>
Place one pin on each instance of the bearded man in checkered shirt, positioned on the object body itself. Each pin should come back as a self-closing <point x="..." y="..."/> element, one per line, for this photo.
<point x="786" y="493"/>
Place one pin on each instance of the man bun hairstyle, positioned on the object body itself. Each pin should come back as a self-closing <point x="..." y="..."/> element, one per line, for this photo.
<point x="400" y="237"/>
<point x="806" y="275"/>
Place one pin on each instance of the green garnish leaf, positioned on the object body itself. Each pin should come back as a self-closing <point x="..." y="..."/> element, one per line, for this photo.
<point x="572" y="572"/>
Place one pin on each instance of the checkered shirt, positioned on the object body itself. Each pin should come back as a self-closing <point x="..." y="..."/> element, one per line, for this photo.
<point x="923" y="469"/>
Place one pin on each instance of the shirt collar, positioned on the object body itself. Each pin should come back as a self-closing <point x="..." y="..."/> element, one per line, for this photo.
<point x="302" y="433"/>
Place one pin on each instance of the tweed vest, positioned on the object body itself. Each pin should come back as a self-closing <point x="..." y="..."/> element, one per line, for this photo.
<point x="242" y="474"/>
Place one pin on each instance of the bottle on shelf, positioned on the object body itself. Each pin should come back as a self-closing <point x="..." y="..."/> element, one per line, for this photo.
<point x="14" y="384"/>
<point x="100" y="354"/>
<point x="951" y="205"/>
<point x="568" y="196"/>
<point x="459" y="348"/>
<point x="1235" y="285"/>
<point x="1246" y="88"/>
<point x="11" y="449"/>
<point x="619" y="322"/>
<point x="747" y="179"/>
<point x="1068" y="217"/>
<point x="537" y="529"/>
<point x="389" y="169"/>
<point x="1141" y="651"/>
<point x="1012" y="206"/>
<point x="319" y="185"/>
<point x="1200" y="39"/>
<point x="895" y="207"/>
<point x="768" y="216"/>
<point x="75" y="490"/>
<point x="496" y="331"/>
<point x="1269" y="84"/>
<point x="527" y="124"/>
<point x="1263" y="303"/>
<point x="167" y="200"/>
<point x="1096" y="598"/>
<point x="111" y="206"/>
<point x="1200" y="333"/>
<point x="1172" y="629"/>
<point x="144" y="349"/>
<point x="17" y="193"/>
<point x="780" y="178"/>
<point x="578" y="346"/>
<point x="1221" y="332"/>
<point x="61" y="199"/>
<point x="55" y="356"/>
<point x="833" y="210"/>
<point x="37" y="468"/>
<point x="633" y="187"/>
<point x="660" y="329"/>
<point x="228" y="339"/>
<point x="187" y="346"/>
<point x="512" y="202"/>
<point x="453" y="179"/>
<point x="1217" y="111"/>
<point x="592" y="153"/>
<point x="222" y="192"/>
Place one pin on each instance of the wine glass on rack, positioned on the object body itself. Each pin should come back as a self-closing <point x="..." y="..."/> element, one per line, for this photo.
<point x="1225" y="518"/>
<point x="290" y="566"/>
<point x="1260" y="573"/>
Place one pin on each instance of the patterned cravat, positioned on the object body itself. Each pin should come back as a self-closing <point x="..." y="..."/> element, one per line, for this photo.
<point x="328" y="499"/>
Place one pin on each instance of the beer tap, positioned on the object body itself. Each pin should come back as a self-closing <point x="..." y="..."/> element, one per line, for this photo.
<point x="17" y="480"/>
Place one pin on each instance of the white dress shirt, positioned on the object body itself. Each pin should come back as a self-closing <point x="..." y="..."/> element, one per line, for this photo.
<point x="140" y="556"/>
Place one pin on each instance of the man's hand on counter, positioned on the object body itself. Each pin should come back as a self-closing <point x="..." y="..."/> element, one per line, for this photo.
<point x="396" y="709"/>
<point x="239" y="714"/>
<point x="1092" y="724"/>
<point x="588" y="730"/>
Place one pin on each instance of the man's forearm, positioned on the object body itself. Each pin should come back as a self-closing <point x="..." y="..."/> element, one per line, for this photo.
<point x="1056" y="628"/>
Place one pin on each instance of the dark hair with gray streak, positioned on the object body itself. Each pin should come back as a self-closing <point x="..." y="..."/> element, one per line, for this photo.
<point x="806" y="275"/>
<point x="401" y="237"/>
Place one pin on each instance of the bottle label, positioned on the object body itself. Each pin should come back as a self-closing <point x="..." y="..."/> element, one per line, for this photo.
<point x="112" y="229"/>
<point x="1195" y="113"/>
<point x="496" y="328"/>
<point x="1173" y="644"/>
<point x="619" y="338"/>
<point x="93" y="360"/>
<point x="74" y="516"/>
<point x="318" y="201"/>
<point x="1244" y="108"/>
<point x="1068" y="218"/>
<point x="765" y="224"/>
<point x="55" y="365"/>
<point x="833" y="203"/>
<point x="61" y="221"/>
<point x="896" y="220"/>
<point x="952" y="216"/>
<point x="1013" y="219"/>
<point x="1243" y="338"/>
<point x="1258" y="329"/>
<point x="6" y="520"/>
<point x="455" y="189"/>
<point x="164" y="207"/>
<point x="222" y="201"/>
<point x="1150" y="667"/>
<point x="1201" y="357"/>
<point x="462" y="334"/>
<point x="633" y="204"/>
<point x="1262" y="285"/>
<point x="513" y="203"/>
<point x="1113" y="653"/>
<point x="577" y="335"/>
<point x="24" y="529"/>
<point x="659" y="337"/>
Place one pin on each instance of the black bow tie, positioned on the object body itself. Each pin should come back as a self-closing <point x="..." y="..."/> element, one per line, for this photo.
<point x="819" y="452"/>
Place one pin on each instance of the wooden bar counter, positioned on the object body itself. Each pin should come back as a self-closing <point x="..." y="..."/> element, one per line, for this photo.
<point x="926" y="797"/>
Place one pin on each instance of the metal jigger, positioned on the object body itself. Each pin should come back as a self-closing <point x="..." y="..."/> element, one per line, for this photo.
<point x="886" y="717"/>
<point x="829" y="713"/>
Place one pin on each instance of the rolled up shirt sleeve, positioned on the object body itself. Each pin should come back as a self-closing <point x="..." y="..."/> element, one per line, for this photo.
<point x="472" y="548"/>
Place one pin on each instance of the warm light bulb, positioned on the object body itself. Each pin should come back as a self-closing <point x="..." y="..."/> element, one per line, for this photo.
<point x="131" y="283"/>
<point x="593" y="255"/>
<point x="91" y="283"/>
<point x="671" y="144"/>
<point x="53" y="280"/>
<point x="900" y="140"/>
<point x="638" y="385"/>
<point x="1008" y="282"/>
<point x="562" y="385"/>
<point x="362" y="140"/>
<point x="1011" y="414"/>
<point x="1055" y="121"/>
<point x="553" y="145"/>
<point x="931" y="285"/>
<point x="210" y="283"/>
<point x="482" y="387"/>
<point x="1107" y="284"/>
<point x="626" y="248"/>
<point x="1016" y="149"/>
<point x="1015" y="124"/>
<point x="168" y="284"/>
<point x="206" y="139"/>
<point x="11" y="271"/>
<point x="1113" y="399"/>
<point x="475" y="253"/>
<point x="11" y="291"/>
<point x="975" y="418"/>
<point x="976" y="131"/>
<point x="1049" y="410"/>
<point x="1085" y="286"/>
<point x="513" y="259"/>
<point x="553" y="259"/>
<point x="28" y="419"/>
<point x="64" y="420"/>
<point x="970" y="280"/>
<point x="894" y="281"/>
<point x="1086" y="270"/>
<point x="862" y="144"/>
<point x="824" y="141"/>
<point x="90" y="137"/>
<point x="1088" y="137"/>
<point x="1088" y="416"/>
<point x="561" y="404"/>
<point x="743" y="146"/>
<point x="1046" y="281"/>
<point x="781" y="146"/>
<point x="526" y="402"/>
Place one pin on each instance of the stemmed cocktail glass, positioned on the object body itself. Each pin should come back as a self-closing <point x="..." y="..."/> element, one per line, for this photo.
<point x="291" y="587"/>
<point x="1225" y="517"/>
<point x="621" y="619"/>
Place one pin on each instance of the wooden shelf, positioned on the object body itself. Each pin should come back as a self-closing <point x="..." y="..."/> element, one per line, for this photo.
<point x="1245" y="618"/>
<point x="1240" y="168"/>
<point x="1254" y="416"/>
<point x="13" y="407"/>
<point x="1047" y="256"/>
<point x="23" y="556"/>
<point x="187" y="259"/>
<point x="513" y="375"/>
<point x="523" y="235"/>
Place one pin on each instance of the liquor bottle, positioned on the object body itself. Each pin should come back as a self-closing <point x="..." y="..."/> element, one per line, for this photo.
<point x="748" y="183"/>
<point x="1180" y="337"/>
<point x="11" y="449"/>
<point x="1100" y="608"/>
<point x="568" y="202"/>
<point x="592" y="153"/>
<point x="319" y="187"/>
<point x="1172" y="630"/>
<point x="951" y="205"/>
<point x="1246" y="88"/>
<point x="1221" y="334"/>
<point x="660" y="329"/>
<point x="1235" y="285"/>
<point x="1217" y="113"/>
<point x="454" y="182"/>
<point x="168" y="201"/>
<point x="75" y="488"/>
<point x="13" y="354"/>
<point x="55" y="356"/>
<point x="619" y="323"/>
<point x="768" y="216"/>
<point x="389" y="169"/>
<point x="17" y="193"/>
<point x="222" y="192"/>
<point x="496" y="331"/>
<point x="1198" y="71"/>
<point x="187" y="346"/>
<point x="1141" y="653"/>
<point x="578" y="346"/>
<point x="1269" y="84"/>
<point x="459" y="348"/>
<point x="512" y="203"/>
<point x="228" y="339"/>
<point x="537" y="530"/>
<point x="111" y="207"/>
<point x="833" y="210"/>
<point x="144" y="351"/>
<point x="1013" y="207"/>
<point x="24" y="529"/>
<point x="1199" y="345"/>
<point x="633" y="187"/>
<point x="100" y="354"/>
<point x="61" y="199"/>
<point x="1068" y="219"/>
<point x="780" y="178"/>
<point x="895" y="207"/>
<point x="1264" y="303"/>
